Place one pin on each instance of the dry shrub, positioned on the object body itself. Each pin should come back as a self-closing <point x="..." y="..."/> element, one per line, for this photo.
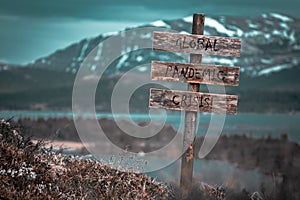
<point x="32" y="171"/>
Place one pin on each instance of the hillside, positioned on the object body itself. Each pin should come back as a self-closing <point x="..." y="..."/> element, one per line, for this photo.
<point x="32" y="171"/>
<point x="269" y="66"/>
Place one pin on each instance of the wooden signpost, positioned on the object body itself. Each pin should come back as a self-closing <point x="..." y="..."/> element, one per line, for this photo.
<point x="193" y="101"/>
<point x="194" y="73"/>
<point x="196" y="44"/>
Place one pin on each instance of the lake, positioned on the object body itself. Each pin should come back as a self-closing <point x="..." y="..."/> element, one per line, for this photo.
<point x="256" y="125"/>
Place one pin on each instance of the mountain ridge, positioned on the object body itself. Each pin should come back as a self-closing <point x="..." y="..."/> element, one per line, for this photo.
<point x="47" y="83"/>
<point x="263" y="40"/>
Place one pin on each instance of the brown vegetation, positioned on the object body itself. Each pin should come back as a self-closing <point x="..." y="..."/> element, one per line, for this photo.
<point x="31" y="171"/>
<point x="43" y="171"/>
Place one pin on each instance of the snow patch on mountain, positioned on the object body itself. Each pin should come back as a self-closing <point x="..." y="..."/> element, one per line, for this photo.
<point x="274" y="69"/>
<point x="160" y="23"/>
<point x="146" y="36"/>
<point x="219" y="27"/>
<point x="188" y="19"/>
<point x="109" y="34"/>
<point x="83" y="50"/>
<point x="268" y="42"/>
<point x="122" y="61"/>
<point x="139" y="58"/>
<point x="99" y="52"/>
<point x="281" y="17"/>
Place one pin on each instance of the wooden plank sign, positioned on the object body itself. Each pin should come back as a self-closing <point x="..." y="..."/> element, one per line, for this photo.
<point x="196" y="44"/>
<point x="195" y="73"/>
<point x="193" y="101"/>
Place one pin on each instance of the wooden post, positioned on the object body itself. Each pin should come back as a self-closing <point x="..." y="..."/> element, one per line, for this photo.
<point x="194" y="44"/>
<point x="187" y="159"/>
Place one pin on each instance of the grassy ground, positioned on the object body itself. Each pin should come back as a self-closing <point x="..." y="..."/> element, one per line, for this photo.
<point x="31" y="171"/>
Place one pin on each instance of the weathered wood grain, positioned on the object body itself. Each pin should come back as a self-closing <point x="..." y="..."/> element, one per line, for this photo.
<point x="195" y="73"/>
<point x="193" y="101"/>
<point x="190" y="125"/>
<point x="196" y="44"/>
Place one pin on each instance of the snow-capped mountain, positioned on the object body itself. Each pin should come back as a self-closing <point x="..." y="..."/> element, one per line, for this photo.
<point x="270" y="43"/>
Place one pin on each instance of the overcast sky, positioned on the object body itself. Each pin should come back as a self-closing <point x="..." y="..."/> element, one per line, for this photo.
<point x="34" y="28"/>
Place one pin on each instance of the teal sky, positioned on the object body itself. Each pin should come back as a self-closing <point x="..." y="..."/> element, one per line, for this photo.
<point x="35" y="28"/>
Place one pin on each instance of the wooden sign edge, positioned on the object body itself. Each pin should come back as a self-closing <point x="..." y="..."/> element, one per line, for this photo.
<point x="237" y="54"/>
<point x="194" y="65"/>
<point x="208" y="36"/>
<point x="211" y="94"/>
